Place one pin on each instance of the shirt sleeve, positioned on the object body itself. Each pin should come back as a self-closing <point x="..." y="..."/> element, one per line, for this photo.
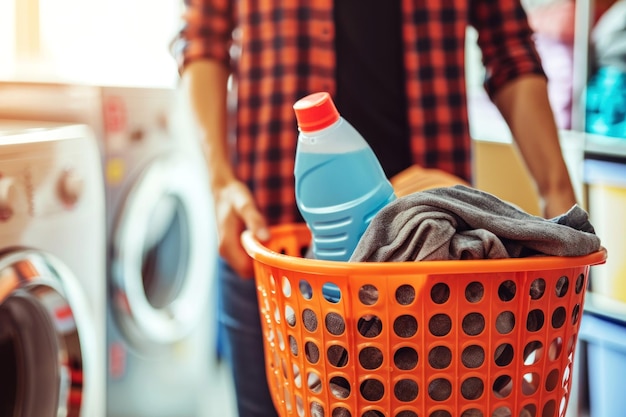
<point x="506" y="41"/>
<point x="206" y="32"/>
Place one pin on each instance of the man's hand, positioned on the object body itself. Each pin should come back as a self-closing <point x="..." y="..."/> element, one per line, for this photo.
<point x="236" y="211"/>
<point x="557" y="202"/>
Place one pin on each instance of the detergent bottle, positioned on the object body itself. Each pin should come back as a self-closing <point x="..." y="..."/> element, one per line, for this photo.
<point x="340" y="185"/>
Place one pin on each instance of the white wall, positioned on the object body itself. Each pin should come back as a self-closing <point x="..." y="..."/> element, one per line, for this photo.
<point x="103" y="41"/>
<point x="7" y="35"/>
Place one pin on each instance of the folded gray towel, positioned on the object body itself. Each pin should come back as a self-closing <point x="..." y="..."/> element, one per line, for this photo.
<point x="461" y="222"/>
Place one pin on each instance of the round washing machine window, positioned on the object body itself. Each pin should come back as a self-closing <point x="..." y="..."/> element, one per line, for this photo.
<point x="160" y="269"/>
<point x="165" y="252"/>
<point x="41" y="358"/>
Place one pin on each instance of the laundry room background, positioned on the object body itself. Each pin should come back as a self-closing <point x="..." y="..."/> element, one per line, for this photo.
<point x="106" y="65"/>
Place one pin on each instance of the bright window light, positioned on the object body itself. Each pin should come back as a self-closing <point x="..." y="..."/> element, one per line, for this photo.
<point x="123" y="42"/>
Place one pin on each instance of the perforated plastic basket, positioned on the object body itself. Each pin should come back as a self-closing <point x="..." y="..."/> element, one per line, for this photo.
<point x="489" y="338"/>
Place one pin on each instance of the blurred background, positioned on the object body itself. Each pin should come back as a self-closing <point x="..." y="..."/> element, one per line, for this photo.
<point x="114" y="55"/>
<point x="121" y="42"/>
<point x="106" y="64"/>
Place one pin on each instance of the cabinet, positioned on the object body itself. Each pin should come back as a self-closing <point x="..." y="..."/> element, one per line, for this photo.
<point x="606" y="148"/>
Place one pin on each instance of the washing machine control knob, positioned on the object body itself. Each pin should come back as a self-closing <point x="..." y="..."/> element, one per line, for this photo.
<point x="8" y="195"/>
<point x="69" y="187"/>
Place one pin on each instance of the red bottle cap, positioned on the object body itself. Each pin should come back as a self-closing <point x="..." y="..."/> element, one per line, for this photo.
<point x="315" y="112"/>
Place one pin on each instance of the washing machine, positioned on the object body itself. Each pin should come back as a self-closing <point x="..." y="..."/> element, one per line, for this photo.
<point x="161" y="242"/>
<point x="52" y="281"/>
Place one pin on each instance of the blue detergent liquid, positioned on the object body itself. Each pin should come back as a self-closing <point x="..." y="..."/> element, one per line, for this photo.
<point x="338" y="195"/>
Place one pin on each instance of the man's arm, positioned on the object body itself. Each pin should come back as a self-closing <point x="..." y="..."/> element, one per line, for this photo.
<point x="525" y="106"/>
<point x="517" y="85"/>
<point x="205" y="82"/>
<point x="202" y="50"/>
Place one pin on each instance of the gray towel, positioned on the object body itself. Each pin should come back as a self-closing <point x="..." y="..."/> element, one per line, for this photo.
<point x="460" y="222"/>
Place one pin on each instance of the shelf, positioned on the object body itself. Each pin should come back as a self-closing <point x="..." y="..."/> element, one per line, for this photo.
<point x="610" y="147"/>
<point x="606" y="307"/>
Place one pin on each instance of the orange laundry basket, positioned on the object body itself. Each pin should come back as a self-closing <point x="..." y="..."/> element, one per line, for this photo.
<point x="490" y="338"/>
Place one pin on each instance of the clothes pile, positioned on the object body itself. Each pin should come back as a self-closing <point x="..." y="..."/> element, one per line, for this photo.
<point x="460" y="222"/>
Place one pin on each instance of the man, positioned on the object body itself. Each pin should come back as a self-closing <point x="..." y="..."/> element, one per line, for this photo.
<point x="395" y="70"/>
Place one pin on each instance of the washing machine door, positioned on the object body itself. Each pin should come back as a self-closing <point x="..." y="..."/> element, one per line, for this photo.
<point x="160" y="274"/>
<point x="44" y="361"/>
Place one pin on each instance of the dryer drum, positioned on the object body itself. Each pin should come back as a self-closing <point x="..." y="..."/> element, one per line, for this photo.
<point x="40" y="352"/>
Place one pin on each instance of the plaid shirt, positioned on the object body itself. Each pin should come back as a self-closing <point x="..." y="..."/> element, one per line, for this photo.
<point x="287" y="51"/>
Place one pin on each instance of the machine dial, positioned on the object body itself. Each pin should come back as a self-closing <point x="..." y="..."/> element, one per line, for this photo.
<point x="8" y="196"/>
<point x="70" y="187"/>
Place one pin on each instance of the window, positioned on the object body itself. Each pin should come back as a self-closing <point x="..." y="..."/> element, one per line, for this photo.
<point x="122" y="42"/>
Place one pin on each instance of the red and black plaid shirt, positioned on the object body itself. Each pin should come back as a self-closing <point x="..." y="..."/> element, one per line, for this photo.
<point x="287" y="51"/>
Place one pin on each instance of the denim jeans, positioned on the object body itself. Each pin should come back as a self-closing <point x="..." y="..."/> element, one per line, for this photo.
<point x="243" y="342"/>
